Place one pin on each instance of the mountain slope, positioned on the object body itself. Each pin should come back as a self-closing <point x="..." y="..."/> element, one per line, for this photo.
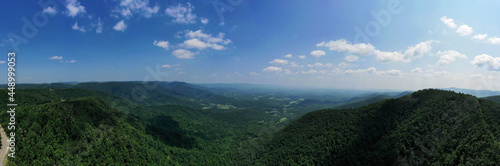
<point x="428" y="127"/>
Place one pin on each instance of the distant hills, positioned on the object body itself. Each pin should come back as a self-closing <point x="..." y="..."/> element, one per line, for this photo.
<point x="477" y="93"/>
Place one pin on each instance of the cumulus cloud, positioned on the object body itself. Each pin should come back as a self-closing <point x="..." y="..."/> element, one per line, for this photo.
<point x="302" y="56"/>
<point x="343" y="45"/>
<point x="204" y="20"/>
<point x="449" y="56"/>
<point x="1" y="62"/>
<point x="162" y="44"/>
<point x="183" y="54"/>
<point x="128" y="8"/>
<point x="320" y="44"/>
<point x="449" y="22"/>
<point x="273" y="68"/>
<point x="464" y="30"/>
<point x="318" y="53"/>
<point x="479" y="36"/>
<point x="200" y="40"/>
<point x="120" y="26"/>
<point x="182" y="14"/>
<point x="494" y="40"/>
<point x="279" y="61"/>
<point x="50" y="10"/>
<point x="493" y="63"/>
<point x="74" y="8"/>
<point x="77" y="28"/>
<point x="351" y="58"/>
<point x="412" y="52"/>
<point x="288" y="56"/>
<point x="320" y="65"/>
<point x="56" y="57"/>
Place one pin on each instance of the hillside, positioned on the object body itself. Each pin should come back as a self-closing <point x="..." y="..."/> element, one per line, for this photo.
<point x="428" y="127"/>
<point x="495" y="99"/>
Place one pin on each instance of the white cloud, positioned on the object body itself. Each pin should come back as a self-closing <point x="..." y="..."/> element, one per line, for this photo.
<point x="293" y="64"/>
<point x="166" y="66"/>
<point x="413" y="52"/>
<point x="309" y="72"/>
<point x="204" y="20"/>
<point x="416" y="70"/>
<point x="432" y="73"/>
<point x="129" y="7"/>
<point x="320" y="65"/>
<point x="449" y="22"/>
<point x="288" y="56"/>
<point x="273" y="68"/>
<point x="183" y="54"/>
<point x="449" y="56"/>
<point x="464" y="30"/>
<point x="74" y="8"/>
<point x="302" y="57"/>
<point x="199" y="34"/>
<point x="279" y="61"/>
<point x="200" y="40"/>
<point x="343" y="45"/>
<point x="391" y="72"/>
<point x="78" y="28"/>
<point x="479" y="36"/>
<point x="1" y="62"/>
<point x="71" y="61"/>
<point x="162" y="44"/>
<point x="50" y="10"/>
<point x="493" y="63"/>
<point x="56" y="57"/>
<point x="182" y="14"/>
<point x="351" y="58"/>
<point x="371" y="70"/>
<point x="346" y="65"/>
<point x="320" y="44"/>
<point x="318" y="53"/>
<point x="120" y="26"/>
<point x="494" y="40"/>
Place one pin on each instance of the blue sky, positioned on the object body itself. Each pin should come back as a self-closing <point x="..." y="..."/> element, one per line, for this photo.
<point x="390" y="44"/>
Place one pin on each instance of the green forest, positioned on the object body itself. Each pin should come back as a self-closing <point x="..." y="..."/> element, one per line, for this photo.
<point x="185" y="124"/>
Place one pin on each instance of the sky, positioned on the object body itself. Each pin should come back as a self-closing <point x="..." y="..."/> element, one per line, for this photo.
<point x="386" y="44"/>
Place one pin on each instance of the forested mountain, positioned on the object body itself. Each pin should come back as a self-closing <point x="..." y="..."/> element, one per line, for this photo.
<point x="178" y="123"/>
<point x="495" y="99"/>
<point x="428" y="127"/>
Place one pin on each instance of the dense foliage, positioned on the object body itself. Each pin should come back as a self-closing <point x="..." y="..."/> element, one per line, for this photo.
<point x="428" y="127"/>
<point x="184" y="124"/>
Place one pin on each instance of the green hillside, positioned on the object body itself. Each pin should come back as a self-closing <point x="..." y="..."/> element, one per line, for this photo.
<point x="495" y="99"/>
<point x="428" y="127"/>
